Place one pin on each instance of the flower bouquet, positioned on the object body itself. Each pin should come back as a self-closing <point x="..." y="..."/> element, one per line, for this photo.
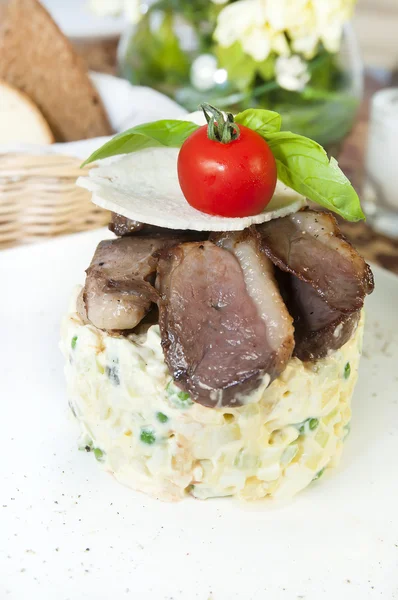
<point x="298" y="57"/>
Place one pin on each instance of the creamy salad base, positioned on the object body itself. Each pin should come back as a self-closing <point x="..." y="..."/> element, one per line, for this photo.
<point x="153" y="438"/>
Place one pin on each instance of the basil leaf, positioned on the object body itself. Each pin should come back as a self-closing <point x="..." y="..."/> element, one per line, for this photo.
<point x="262" y="121"/>
<point x="170" y="133"/>
<point x="304" y="166"/>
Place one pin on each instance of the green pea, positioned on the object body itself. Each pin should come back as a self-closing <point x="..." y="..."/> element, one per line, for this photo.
<point x="179" y="398"/>
<point x="73" y="342"/>
<point x="183" y="396"/>
<point x="310" y="424"/>
<point x="99" y="455"/>
<point x="347" y="371"/>
<point x="147" y="435"/>
<point x="161" y="417"/>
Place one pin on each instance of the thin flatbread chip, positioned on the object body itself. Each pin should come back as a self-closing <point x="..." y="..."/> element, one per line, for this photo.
<point x="144" y="187"/>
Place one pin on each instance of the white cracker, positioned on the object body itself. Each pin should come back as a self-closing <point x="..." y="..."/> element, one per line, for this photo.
<point x="143" y="186"/>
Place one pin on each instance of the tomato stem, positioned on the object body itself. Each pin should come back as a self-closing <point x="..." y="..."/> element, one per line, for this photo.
<point x="221" y="126"/>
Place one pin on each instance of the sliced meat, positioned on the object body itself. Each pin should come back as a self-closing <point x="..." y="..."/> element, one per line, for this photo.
<point x="309" y="245"/>
<point x="263" y="289"/>
<point x="318" y="329"/>
<point x="119" y="287"/>
<point x="81" y="308"/>
<point x="122" y="226"/>
<point x="223" y="323"/>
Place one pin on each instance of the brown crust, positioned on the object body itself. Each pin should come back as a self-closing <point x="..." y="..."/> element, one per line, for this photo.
<point x="122" y="226"/>
<point x="367" y="276"/>
<point x="39" y="60"/>
<point x="313" y="345"/>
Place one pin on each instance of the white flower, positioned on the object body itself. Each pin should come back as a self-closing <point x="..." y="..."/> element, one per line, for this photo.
<point x="262" y="26"/>
<point x="291" y="73"/>
<point x="331" y="17"/>
<point x="104" y="8"/>
<point x="245" y="21"/>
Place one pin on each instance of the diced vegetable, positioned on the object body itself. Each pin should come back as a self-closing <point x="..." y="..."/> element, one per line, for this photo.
<point x="73" y="342"/>
<point x="179" y="398"/>
<point x="347" y="371"/>
<point x="113" y="374"/>
<point x="289" y="453"/>
<point x="147" y="435"/>
<point x="161" y="417"/>
<point x="309" y="424"/>
<point x="322" y="438"/>
<point x="99" y="455"/>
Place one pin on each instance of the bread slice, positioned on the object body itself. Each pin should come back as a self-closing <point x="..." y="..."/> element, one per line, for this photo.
<point x="39" y="60"/>
<point x="20" y="119"/>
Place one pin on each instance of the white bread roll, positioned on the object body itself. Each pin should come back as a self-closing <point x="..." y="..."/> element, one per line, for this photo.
<point x="20" y="119"/>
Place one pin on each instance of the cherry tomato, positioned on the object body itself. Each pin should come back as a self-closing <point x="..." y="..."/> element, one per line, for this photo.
<point x="234" y="179"/>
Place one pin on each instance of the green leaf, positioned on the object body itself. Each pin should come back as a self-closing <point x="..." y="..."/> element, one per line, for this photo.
<point x="73" y="342"/>
<point x="240" y="66"/>
<point x="260" y="120"/>
<point x="266" y="68"/>
<point x="304" y="166"/>
<point x="171" y="133"/>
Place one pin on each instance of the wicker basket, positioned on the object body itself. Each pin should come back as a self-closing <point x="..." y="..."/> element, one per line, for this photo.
<point x="39" y="199"/>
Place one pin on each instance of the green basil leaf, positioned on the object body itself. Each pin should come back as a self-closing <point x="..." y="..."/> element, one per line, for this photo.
<point x="304" y="166"/>
<point x="170" y="133"/>
<point x="262" y="121"/>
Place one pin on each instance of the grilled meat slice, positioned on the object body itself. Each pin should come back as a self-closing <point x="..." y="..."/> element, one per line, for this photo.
<point x="309" y="245"/>
<point x="122" y="226"/>
<point x="223" y="323"/>
<point x="318" y="329"/>
<point x="119" y="287"/>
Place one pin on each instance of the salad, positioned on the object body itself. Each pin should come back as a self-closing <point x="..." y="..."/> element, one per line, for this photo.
<point x="213" y="349"/>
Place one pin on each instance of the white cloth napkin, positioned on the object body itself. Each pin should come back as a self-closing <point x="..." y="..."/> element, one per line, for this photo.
<point x="127" y="105"/>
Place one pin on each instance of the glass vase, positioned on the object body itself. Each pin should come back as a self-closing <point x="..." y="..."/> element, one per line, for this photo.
<point x="172" y="50"/>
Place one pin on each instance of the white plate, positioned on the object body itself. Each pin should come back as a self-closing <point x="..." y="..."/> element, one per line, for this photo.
<point x="78" y="22"/>
<point x="70" y="531"/>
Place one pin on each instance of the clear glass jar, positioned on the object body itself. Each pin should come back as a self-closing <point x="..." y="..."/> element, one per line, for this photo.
<point x="380" y="190"/>
<point x="172" y="50"/>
